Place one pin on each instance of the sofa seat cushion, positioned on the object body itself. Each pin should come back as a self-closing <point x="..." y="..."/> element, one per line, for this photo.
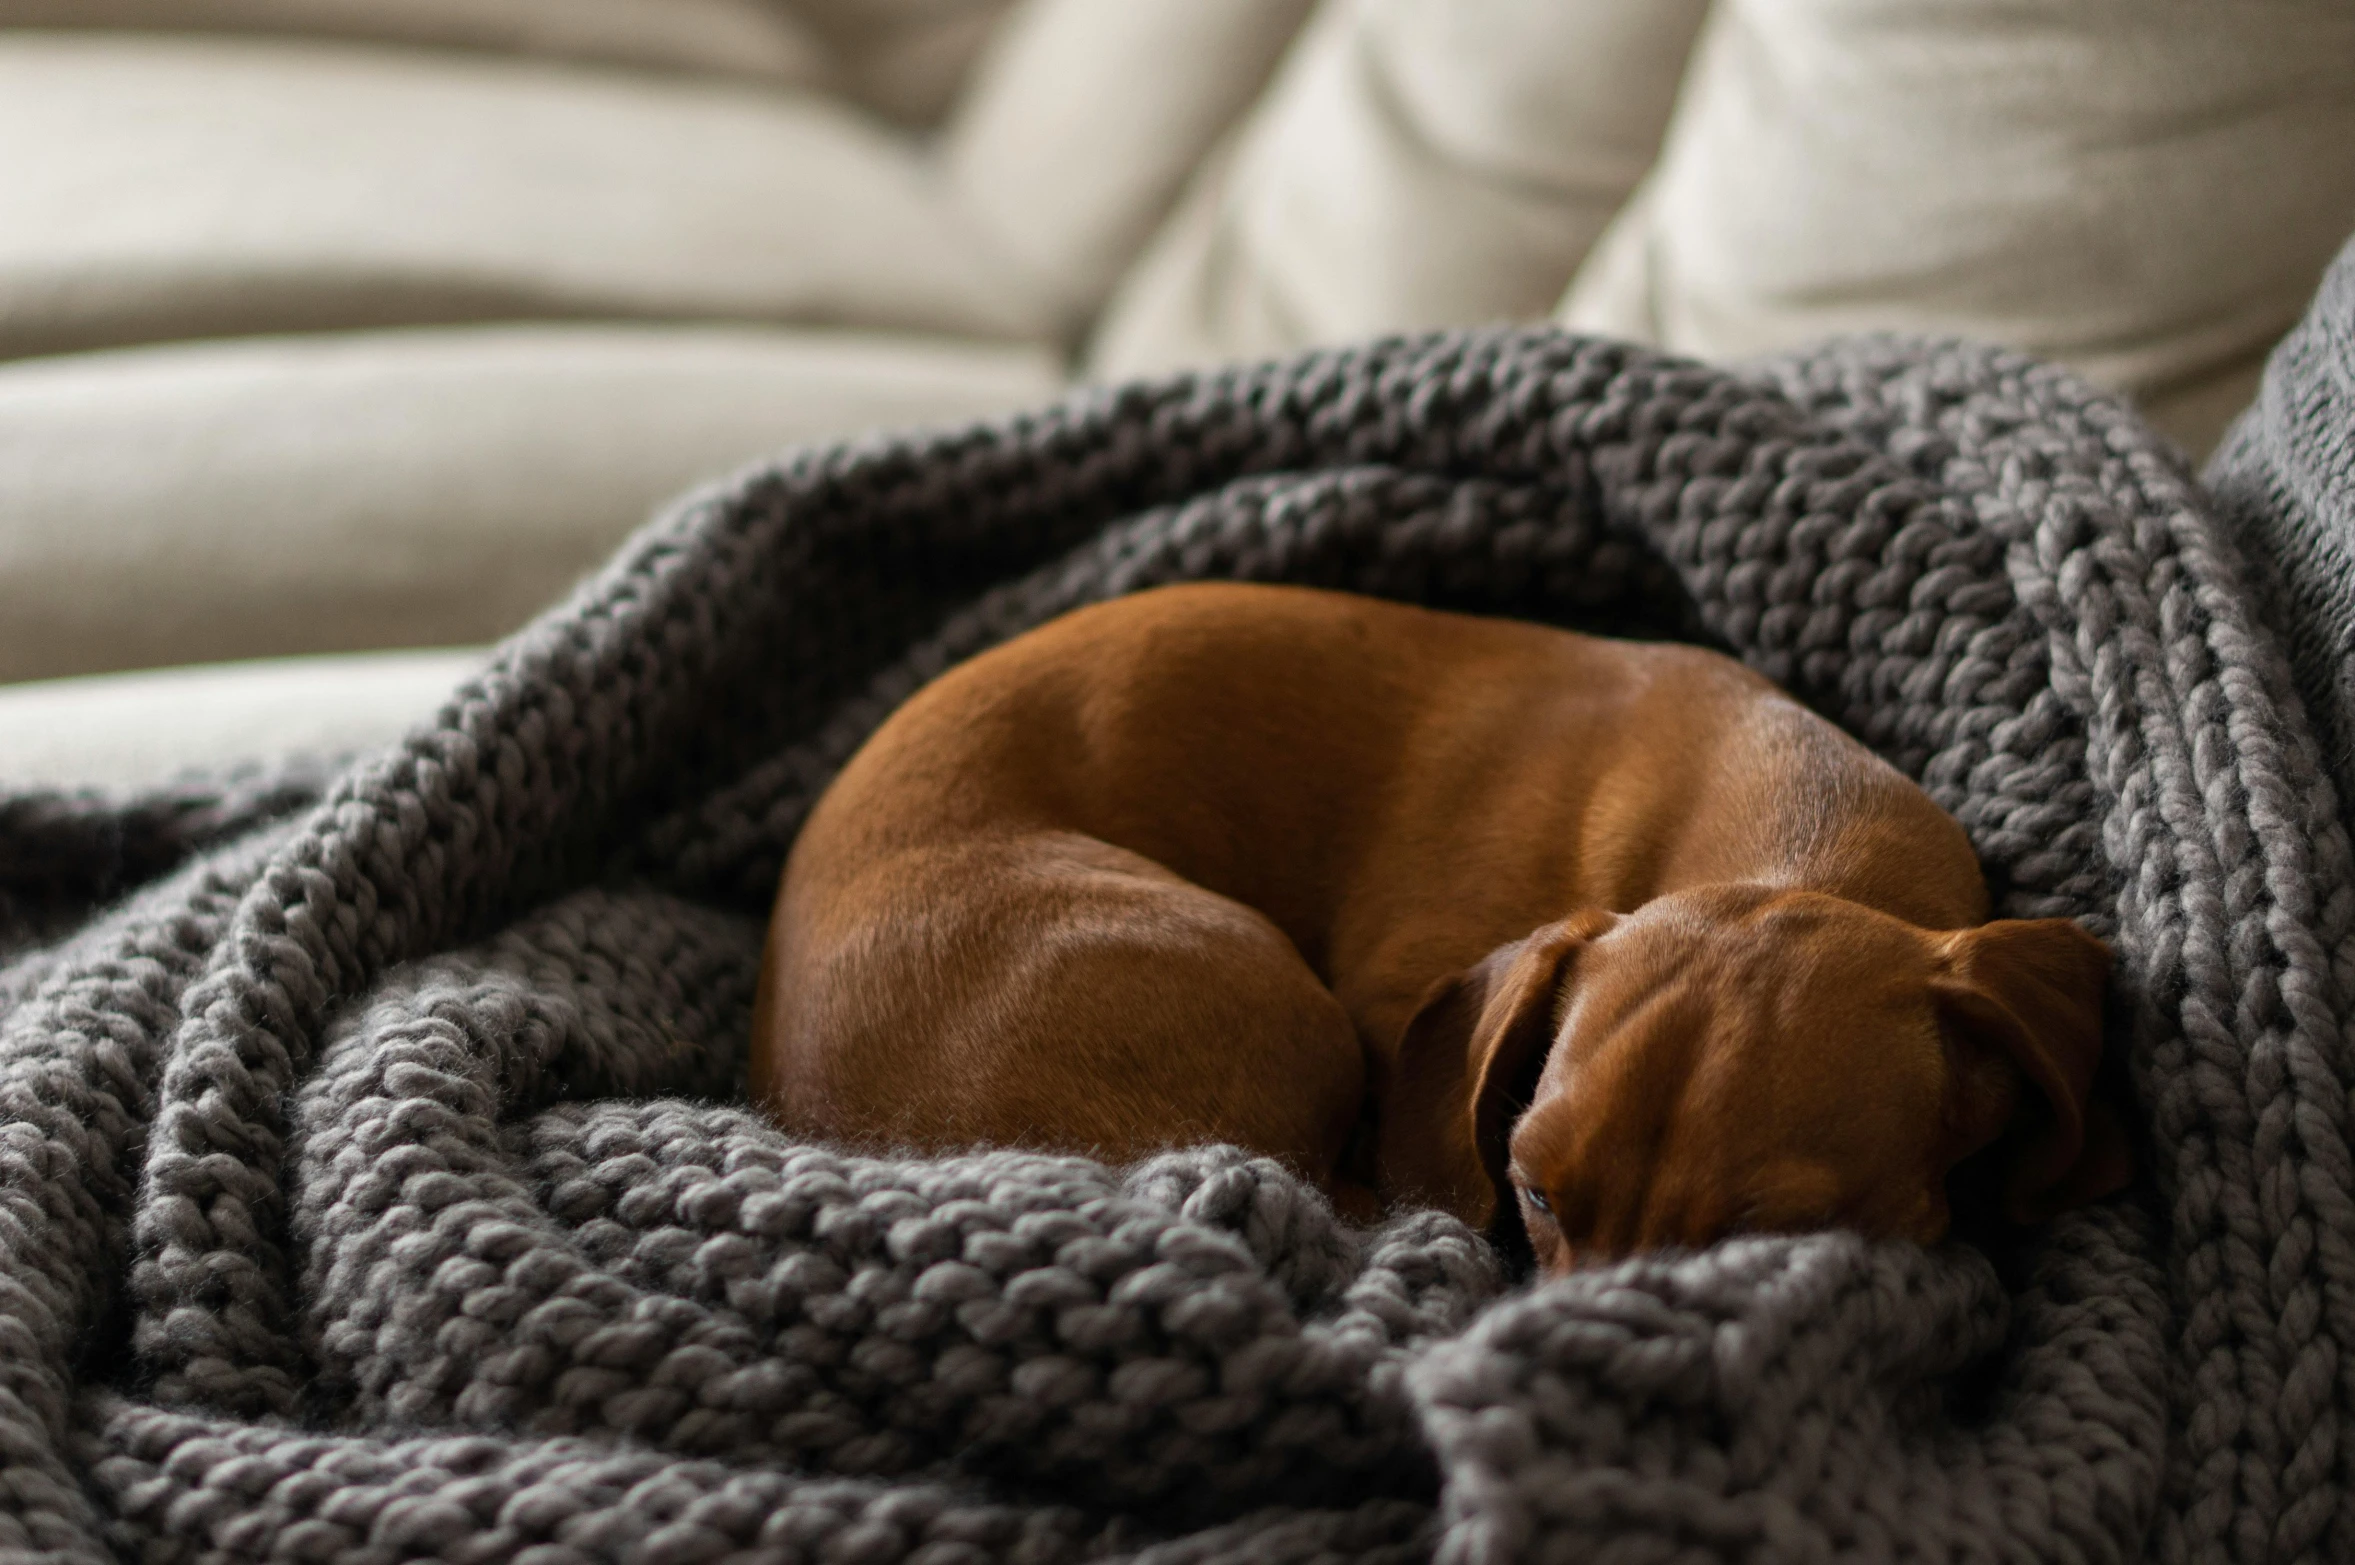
<point x="262" y="497"/>
<point x="130" y="731"/>
<point x="188" y="187"/>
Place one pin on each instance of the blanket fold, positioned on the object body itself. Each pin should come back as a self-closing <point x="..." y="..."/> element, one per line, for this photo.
<point x="377" y="1185"/>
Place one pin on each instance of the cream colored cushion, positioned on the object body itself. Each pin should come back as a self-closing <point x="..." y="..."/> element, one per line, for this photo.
<point x="135" y="730"/>
<point x="2147" y="189"/>
<point x="734" y="37"/>
<point x="165" y="188"/>
<point x="235" y="500"/>
<point x="907" y="60"/>
<point x="1416" y="163"/>
<point x="1083" y="120"/>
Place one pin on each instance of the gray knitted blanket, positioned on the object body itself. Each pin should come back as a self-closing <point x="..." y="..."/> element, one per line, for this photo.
<point x="373" y="1183"/>
<point x="2284" y="481"/>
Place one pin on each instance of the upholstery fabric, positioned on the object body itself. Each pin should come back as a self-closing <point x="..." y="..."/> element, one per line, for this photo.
<point x="372" y="1192"/>
<point x="208" y="187"/>
<point x="2147" y="192"/>
<point x="749" y="38"/>
<point x="353" y="490"/>
<point x="357" y="436"/>
<point x="905" y="60"/>
<point x="138" y="731"/>
<point x="2284" y="480"/>
<point x="909" y="61"/>
<point x="1417" y="163"/>
<point x="1155" y="83"/>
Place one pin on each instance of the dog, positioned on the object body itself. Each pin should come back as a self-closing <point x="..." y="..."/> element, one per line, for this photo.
<point x="1612" y="939"/>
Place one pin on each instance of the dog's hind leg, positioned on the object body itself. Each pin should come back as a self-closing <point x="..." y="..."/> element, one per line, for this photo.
<point x="1050" y="990"/>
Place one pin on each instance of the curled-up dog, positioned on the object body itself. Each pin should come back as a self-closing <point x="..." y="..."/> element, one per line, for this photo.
<point x="1611" y="941"/>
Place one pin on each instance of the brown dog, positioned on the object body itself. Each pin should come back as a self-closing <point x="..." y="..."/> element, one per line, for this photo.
<point x="1351" y="883"/>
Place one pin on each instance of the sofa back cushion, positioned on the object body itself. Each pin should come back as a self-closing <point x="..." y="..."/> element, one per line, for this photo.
<point x="2147" y="190"/>
<point x="1084" y="120"/>
<point x="734" y="37"/>
<point x="1415" y="163"/>
<point x="227" y="186"/>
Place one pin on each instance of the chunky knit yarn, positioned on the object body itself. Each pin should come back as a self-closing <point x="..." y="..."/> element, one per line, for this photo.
<point x="2284" y="480"/>
<point x="372" y="1184"/>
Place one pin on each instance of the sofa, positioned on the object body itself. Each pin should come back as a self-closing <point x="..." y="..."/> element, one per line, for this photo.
<point x="375" y="1181"/>
<point x="342" y="336"/>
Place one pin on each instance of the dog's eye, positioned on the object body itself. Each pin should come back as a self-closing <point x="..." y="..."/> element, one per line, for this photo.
<point x="1536" y="1197"/>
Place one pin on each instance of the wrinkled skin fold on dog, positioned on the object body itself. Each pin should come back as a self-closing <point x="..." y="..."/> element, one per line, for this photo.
<point x="375" y="1191"/>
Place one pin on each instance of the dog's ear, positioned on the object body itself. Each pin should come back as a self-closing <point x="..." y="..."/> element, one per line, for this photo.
<point x="1471" y="1049"/>
<point x="2027" y="994"/>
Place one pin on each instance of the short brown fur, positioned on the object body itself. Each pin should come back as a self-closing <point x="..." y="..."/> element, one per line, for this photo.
<point x="1341" y="880"/>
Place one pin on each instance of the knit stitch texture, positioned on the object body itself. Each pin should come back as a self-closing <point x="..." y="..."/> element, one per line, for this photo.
<point x="2284" y="481"/>
<point x="375" y="1183"/>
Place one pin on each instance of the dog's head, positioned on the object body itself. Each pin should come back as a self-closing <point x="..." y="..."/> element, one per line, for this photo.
<point x="1745" y="1059"/>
